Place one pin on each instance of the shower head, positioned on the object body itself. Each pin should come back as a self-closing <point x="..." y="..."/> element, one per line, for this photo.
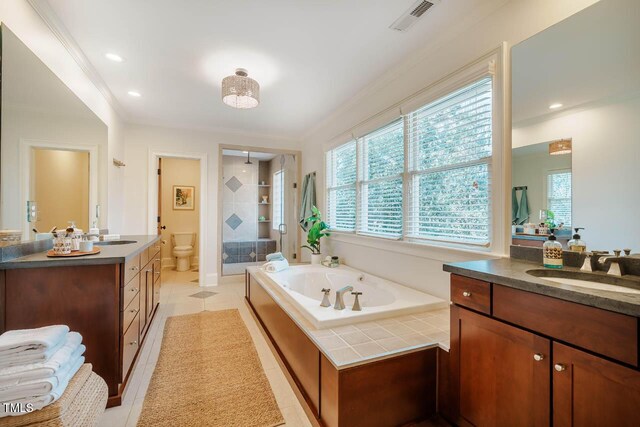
<point x="248" y="162"/>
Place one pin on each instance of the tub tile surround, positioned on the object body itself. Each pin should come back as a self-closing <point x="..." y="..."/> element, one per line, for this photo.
<point x="352" y="345"/>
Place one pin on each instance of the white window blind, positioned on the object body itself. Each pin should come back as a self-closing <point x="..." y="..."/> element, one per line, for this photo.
<point x="559" y="196"/>
<point x="450" y="145"/>
<point x="277" y="204"/>
<point x="341" y="187"/>
<point x="381" y="156"/>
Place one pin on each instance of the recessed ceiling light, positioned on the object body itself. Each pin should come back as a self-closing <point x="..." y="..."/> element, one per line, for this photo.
<point x="554" y="106"/>
<point x="114" y="57"/>
<point x="134" y="93"/>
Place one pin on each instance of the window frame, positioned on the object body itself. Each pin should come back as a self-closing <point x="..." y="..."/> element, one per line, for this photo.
<point x="334" y="188"/>
<point x="545" y="186"/>
<point x="275" y="226"/>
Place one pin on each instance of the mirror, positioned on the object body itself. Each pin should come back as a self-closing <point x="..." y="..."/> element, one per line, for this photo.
<point x="51" y="145"/>
<point x="576" y="89"/>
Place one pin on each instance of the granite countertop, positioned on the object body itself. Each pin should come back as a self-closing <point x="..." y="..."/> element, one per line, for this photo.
<point x="512" y="273"/>
<point x="359" y="343"/>
<point x="109" y="254"/>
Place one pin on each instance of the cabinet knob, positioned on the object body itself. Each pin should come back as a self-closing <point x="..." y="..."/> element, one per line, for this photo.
<point x="135" y="268"/>
<point x="538" y="357"/>
<point x="559" y="367"/>
<point x="133" y="311"/>
<point x="134" y="342"/>
<point x="466" y="294"/>
<point x="134" y="289"/>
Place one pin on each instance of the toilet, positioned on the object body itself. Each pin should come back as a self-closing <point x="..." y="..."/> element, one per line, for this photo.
<point x="183" y="249"/>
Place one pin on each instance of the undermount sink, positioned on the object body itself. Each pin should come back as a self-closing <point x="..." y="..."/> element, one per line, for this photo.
<point x="589" y="281"/>
<point x="115" y="242"/>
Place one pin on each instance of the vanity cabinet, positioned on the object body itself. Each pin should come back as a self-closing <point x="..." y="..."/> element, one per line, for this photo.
<point x="110" y="304"/>
<point x="522" y="358"/>
<point x="504" y="373"/>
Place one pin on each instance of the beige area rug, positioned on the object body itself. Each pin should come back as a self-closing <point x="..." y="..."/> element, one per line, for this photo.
<point x="209" y="374"/>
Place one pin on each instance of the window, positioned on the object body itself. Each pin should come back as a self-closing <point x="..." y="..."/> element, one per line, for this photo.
<point x="341" y="187"/>
<point x="559" y="196"/>
<point x="382" y="160"/>
<point x="278" y="200"/>
<point x="451" y="149"/>
<point x="441" y="191"/>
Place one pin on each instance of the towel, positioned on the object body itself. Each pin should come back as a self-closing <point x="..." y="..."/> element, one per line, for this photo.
<point x="276" y="256"/>
<point x="523" y="211"/>
<point x="51" y="368"/>
<point x="514" y="206"/>
<point x="41" y="387"/>
<point x="275" y="266"/>
<point x="41" y="401"/>
<point x="308" y="199"/>
<point x="31" y="345"/>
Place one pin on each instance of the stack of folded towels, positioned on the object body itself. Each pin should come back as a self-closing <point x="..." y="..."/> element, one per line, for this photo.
<point x="36" y="366"/>
<point x="275" y="262"/>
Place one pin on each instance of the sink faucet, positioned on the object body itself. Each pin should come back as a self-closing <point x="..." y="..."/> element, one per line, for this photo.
<point x="339" y="305"/>
<point x="614" y="262"/>
<point x="325" y="298"/>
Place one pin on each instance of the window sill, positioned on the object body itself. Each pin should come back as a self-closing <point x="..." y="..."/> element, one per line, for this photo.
<point x="435" y="251"/>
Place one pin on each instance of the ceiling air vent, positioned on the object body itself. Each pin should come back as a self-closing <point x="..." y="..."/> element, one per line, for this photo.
<point x="411" y="16"/>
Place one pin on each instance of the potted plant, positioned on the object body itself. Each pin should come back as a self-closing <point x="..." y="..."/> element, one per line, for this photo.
<point x="317" y="230"/>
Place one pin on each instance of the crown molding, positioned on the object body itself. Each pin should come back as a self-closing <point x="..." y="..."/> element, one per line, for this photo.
<point x="57" y="27"/>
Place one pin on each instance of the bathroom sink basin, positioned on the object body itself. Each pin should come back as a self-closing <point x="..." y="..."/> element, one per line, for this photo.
<point x="115" y="242"/>
<point x="589" y="281"/>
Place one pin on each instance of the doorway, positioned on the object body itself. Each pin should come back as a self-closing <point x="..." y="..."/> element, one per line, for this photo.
<point x="178" y="219"/>
<point x="59" y="186"/>
<point x="258" y="207"/>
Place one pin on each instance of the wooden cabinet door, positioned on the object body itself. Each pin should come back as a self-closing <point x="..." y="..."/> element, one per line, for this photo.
<point x="504" y="372"/>
<point x="149" y="293"/>
<point x="591" y="391"/>
<point x="143" y="303"/>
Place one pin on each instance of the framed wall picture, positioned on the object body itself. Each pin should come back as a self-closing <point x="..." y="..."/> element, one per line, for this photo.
<point x="183" y="197"/>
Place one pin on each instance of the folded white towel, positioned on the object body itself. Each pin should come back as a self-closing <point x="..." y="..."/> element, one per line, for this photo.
<point x="275" y="266"/>
<point x="31" y="344"/>
<point x="41" y="401"/>
<point x="40" y="387"/>
<point x="276" y="256"/>
<point x="52" y="368"/>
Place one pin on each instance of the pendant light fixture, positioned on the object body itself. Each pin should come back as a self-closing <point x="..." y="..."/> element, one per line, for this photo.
<point x="561" y="146"/>
<point x="240" y="91"/>
<point x="248" y="162"/>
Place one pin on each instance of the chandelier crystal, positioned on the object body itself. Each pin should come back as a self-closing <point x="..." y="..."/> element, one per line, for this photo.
<point x="240" y="91"/>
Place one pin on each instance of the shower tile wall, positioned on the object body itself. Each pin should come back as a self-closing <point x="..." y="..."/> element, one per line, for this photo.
<point x="240" y="198"/>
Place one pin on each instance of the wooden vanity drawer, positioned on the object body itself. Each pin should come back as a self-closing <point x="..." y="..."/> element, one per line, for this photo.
<point x="131" y="268"/>
<point x="130" y="312"/>
<point x="130" y="291"/>
<point x="144" y="258"/>
<point x="611" y="334"/>
<point x="153" y="251"/>
<point x="471" y="293"/>
<point x="130" y="345"/>
<point x="156" y="269"/>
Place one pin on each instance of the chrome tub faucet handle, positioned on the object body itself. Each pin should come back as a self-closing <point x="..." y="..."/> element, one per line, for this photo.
<point x="356" y="303"/>
<point x="325" y="298"/>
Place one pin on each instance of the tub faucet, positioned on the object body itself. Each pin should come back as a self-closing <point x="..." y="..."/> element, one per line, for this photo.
<point x="339" y="305"/>
<point x="325" y="299"/>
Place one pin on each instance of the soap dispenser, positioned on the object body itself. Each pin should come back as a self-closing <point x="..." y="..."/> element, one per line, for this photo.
<point x="552" y="252"/>
<point x="576" y="244"/>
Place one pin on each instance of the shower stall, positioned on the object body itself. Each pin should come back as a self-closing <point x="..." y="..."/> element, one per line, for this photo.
<point x="258" y="210"/>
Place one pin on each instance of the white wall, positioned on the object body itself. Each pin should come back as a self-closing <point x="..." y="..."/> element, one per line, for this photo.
<point x="605" y="166"/>
<point x="513" y="22"/>
<point x="140" y="141"/>
<point x="20" y="17"/>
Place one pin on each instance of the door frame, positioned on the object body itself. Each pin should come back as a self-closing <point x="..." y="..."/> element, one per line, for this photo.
<point x="25" y="159"/>
<point x="152" y="202"/>
<point x="221" y="147"/>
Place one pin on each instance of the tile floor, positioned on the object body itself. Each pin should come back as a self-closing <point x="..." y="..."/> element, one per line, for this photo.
<point x="177" y="297"/>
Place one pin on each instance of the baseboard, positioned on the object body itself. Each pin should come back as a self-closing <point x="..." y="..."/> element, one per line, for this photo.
<point x="210" y="279"/>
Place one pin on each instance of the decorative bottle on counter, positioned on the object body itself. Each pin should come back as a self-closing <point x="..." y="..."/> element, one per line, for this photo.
<point x="577" y="244"/>
<point x="552" y="252"/>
